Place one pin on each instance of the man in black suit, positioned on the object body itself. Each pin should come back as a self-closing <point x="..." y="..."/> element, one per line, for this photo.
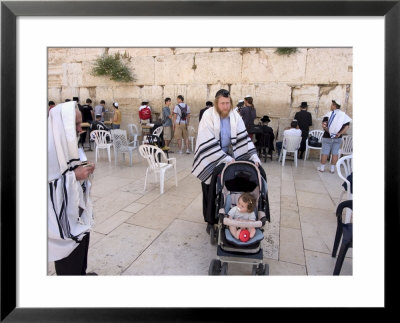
<point x="304" y="121"/>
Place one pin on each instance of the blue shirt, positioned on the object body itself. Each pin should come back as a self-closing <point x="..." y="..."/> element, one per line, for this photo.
<point x="225" y="134"/>
<point x="167" y="121"/>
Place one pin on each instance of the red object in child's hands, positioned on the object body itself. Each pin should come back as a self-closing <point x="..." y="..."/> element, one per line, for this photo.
<point x="244" y="235"/>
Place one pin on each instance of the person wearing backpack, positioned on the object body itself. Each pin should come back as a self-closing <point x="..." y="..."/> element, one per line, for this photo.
<point x="181" y="122"/>
<point x="145" y="112"/>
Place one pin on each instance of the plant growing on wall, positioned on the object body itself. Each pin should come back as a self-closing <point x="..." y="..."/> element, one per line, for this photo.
<point x="286" y="51"/>
<point x="245" y="50"/>
<point x="114" y="66"/>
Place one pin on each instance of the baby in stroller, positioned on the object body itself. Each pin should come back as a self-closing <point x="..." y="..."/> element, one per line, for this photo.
<point x="243" y="211"/>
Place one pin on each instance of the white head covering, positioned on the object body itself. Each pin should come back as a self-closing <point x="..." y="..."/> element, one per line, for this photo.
<point x="69" y="207"/>
<point x="62" y="144"/>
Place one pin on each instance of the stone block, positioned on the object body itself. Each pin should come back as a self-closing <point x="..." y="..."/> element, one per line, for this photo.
<point x="329" y="65"/>
<point x="69" y="93"/>
<point x="54" y="94"/>
<point x="57" y="56"/>
<point x="126" y="91"/>
<point x="174" y="69"/>
<point x="143" y="51"/>
<point x="272" y="99"/>
<point x="81" y="54"/>
<point x="212" y="89"/>
<point x="84" y="93"/>
<point x="307" y="93"/>
<point x="220" y="67"/>
<point x="191" y="50"/>
<point x="349" y="108"/>
<point x="143" y="70"/>
<point x="72" y="74"/>
<point x="105" y="93"/>
<point x="327" y="94"/>
<point x="197" y="97"/>
<point x="55" y="75"/>
<point x="291" y="246"/>
<point x="266" y="66"/>
<point x="173" y="91"/>
<point x="239" y="91"/>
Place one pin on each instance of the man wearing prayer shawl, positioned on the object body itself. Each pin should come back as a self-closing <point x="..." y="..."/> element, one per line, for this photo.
<point x="335" y="123"/>
<point x="222" y="138"/>
<point x="68" y="192"/>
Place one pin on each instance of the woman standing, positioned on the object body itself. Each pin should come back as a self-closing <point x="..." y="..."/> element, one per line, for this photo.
<point x="248" y="113"/>
<point x="222" y="138"/>
<point x="116" y="122"/>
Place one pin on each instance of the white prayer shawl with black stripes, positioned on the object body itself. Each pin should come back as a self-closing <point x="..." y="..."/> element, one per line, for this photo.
<point x="208" y="152"/>
<point x="69" y="207"/>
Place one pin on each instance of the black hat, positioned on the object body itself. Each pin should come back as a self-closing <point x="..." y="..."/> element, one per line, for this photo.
<point x="75" y="98"/>
<point x="303" y="105"/>
<point x="265" y="119"/>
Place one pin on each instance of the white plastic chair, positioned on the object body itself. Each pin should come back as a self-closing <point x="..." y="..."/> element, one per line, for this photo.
<point x="318" y="134"/>
<point x="192" y="135"/>
<point x="121" y="145"/>
<point x="345" y="163"/>
<point x="347" y="146"/>
<point x="100" y="139"/>
<point x="133" y="132"/>
<point x="290" y="144"/>
<point x="154" y="157"/>
<point x="157" y="132"/>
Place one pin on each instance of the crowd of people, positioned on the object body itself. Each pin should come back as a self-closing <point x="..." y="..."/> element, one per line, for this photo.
<point x="224" y="135"/>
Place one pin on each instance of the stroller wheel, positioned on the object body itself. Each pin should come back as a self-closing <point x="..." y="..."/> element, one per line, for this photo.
<point x="261" y="270"/>
<point x="224" y="269"/>
<point x="213" y="236"/>
<point x="215" y="267"/>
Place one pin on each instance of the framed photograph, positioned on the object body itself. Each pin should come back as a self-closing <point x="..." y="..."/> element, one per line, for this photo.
<point x="29" y="28"/>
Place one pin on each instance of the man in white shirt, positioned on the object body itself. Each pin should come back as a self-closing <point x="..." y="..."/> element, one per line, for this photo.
<point x="335" y="124"/>
<point x="292" y="131"/>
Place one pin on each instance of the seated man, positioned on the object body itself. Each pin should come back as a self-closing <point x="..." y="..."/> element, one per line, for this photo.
<point x="292" y="131"/>
<point x="98" y="125"/>
<point x="265" y="139"/>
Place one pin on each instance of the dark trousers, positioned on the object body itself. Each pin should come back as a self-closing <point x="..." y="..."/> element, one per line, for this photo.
<point x="205" y="189"/>
<point x="76" y="262"/>
<point x="304" y="136"/>
<point x="82" y="138"/>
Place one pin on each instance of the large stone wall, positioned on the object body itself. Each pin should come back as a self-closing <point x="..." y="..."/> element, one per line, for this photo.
<point x="277" y="83"/>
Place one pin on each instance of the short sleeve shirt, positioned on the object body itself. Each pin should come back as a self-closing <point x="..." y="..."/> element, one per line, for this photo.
<point x="236" y="214"/>
<point x="99" y="109"/>
<point x="166" y="112"/>
<point x="86" y="113"/>
<point x="178" y="112"/>
<point x="292" y="132"/>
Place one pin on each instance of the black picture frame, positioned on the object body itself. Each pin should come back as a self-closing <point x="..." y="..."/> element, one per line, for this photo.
<point x="10" y="10"/>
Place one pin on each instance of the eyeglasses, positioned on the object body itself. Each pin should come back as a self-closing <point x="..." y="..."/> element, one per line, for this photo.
<point x="223" y="92"/>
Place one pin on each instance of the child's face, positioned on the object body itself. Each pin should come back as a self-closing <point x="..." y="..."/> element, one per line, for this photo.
<point x="242" y="206"/>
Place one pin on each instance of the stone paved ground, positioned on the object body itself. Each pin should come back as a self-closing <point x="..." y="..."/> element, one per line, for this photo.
<point x="145" y="233"/>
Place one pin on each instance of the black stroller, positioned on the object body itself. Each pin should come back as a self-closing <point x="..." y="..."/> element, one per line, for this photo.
<point x="234" y="179"/>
